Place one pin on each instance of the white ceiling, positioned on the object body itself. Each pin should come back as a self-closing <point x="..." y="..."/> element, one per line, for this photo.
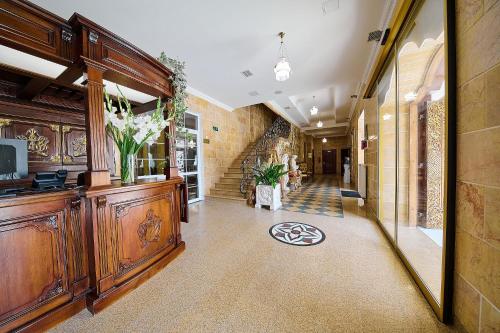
<point x="219" y="39"/>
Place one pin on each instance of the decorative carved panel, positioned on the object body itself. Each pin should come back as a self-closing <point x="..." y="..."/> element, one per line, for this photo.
<point x="149" y="229"/>
<point x="33" y="272"/>
<point x="30" y="30"/>
<point x="144" y="228"/>
<point x="74" y="145"/>
<point x="43" y="139"/>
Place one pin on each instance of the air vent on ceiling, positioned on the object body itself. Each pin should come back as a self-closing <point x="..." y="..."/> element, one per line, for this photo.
<point x="253" y="93"/>
<point x="375" y="36"/>
<point x="278" y="92"/>
<point x="246" y="73"/>
<point x="287" y="108"/>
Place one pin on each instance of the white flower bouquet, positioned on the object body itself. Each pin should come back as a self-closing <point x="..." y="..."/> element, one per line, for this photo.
<point x="130" y="132"/>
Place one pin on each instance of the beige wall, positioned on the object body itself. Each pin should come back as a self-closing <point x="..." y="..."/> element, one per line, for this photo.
<point x="237" y="129"/>
<point x="477" y="254"/>
<point x="336" y="143"/>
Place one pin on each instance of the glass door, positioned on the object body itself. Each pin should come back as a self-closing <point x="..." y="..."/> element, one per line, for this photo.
<point x="188" y="153"/>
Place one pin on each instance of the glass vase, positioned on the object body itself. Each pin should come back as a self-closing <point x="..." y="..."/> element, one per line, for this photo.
<point x="128" y="168"/>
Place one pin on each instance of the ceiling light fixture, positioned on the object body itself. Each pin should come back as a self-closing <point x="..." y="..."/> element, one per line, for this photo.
<point x="319" y="124"/>
<point x="282" y="68"/>
<point x="324" y="140"/>
<point x="314" y="109"/>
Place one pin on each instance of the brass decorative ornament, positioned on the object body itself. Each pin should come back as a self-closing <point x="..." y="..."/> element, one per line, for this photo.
<point x="37" y="144"/>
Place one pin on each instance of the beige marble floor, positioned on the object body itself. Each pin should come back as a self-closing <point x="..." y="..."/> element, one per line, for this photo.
<point x="233" y="277"/>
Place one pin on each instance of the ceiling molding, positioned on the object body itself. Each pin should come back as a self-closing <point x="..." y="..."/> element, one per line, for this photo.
<point x="276" y="108"/>
<point x="201" y="95"/>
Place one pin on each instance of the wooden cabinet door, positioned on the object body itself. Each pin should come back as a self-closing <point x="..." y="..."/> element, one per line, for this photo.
<point x="74" y="145"/>
<point x="33" y="279"/>
<point x="144" y="230"/>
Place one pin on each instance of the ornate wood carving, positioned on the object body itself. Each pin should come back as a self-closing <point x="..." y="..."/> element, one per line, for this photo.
<point x="149" y="229"/>
<point x="79" y="146"/>
<point x="102" y="234"/>
<point x="77" y="237"/>
<point x="32" y="30"/>
<point x="37" y="144"/>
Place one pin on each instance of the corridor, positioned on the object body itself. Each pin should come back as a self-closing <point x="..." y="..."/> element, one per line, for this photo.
<point x="234" y="277"/>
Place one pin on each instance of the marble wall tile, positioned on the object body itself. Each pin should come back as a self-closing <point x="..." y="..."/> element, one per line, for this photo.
<point x="471" y="106"/>
<point x="479" y="157"/>
<point x="492" y="86"/>
<point x="466" y="303"/>
<point x="478" y="49"/>
<point x="468" y="12"/>
<point x="490" y="317"/>
<point x="470" y="208"/>
<point x="477" y="262"/>
<point x="492" y="216"/>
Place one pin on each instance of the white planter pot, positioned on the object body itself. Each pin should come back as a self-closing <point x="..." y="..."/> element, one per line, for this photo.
<point x="266" y="195"/>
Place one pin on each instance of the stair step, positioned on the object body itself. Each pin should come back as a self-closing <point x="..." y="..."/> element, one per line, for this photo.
<point x="233" y="174"/>
<point x="227" y="193"/>
<point x="234" y="169"/>
<point x="241" y="198"/>
<point x="222" y="186"/>
<point x="225" y="180"/>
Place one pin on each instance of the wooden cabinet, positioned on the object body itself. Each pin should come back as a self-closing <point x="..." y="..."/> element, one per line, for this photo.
<point x="136" y="230"/>
<point x="42" y="246"/>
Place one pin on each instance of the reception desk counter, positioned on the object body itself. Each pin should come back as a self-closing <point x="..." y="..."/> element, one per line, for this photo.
<point x="62" y="251"/>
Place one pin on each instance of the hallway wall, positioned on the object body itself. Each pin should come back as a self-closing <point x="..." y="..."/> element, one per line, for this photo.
<point x="477" y="272"/>
<point x="236" y="130"/>
<point x="477" y="253"/>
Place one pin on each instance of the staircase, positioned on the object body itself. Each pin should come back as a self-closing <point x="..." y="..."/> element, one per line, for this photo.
<point x="228" y="187"/>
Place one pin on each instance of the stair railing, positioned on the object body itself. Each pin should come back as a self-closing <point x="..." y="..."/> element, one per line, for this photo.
<point x="262" y="150"/>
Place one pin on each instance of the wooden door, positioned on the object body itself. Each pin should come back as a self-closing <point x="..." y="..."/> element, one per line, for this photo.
<point x="329" y="161"/>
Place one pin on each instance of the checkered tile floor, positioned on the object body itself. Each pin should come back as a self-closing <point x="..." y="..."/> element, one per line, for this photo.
<point x="321" y="197"/>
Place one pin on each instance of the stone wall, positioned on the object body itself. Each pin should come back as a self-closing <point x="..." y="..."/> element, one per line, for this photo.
<point x="477" y="254"/>
<point x="236" y="130"/>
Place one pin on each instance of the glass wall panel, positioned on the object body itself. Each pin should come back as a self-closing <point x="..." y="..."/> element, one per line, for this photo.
<point x="386" y="93"/>
<point x="421" y="144"/>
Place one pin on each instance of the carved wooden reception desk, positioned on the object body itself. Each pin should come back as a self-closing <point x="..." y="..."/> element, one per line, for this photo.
<point x="135" y="230"/>
<point x="65" y="249"/>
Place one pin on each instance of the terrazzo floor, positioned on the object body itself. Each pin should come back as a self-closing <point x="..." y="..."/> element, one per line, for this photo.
<point x="234" y="277"/>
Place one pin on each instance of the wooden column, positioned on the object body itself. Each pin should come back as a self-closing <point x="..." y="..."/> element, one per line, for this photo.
<point x="98" y="173"/>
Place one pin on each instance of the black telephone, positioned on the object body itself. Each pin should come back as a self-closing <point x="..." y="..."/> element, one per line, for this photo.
<point x="48" y="180"/>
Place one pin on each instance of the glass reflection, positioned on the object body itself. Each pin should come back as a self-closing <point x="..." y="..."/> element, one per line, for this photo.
<point x="421" y="144"/>
<point x="387" y="148"/>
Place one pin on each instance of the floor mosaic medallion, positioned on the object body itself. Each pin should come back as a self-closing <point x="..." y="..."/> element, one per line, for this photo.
<point x="295" y="233"/>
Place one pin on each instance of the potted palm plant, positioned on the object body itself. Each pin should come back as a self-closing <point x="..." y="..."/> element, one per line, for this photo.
<point x="268" y="188"/>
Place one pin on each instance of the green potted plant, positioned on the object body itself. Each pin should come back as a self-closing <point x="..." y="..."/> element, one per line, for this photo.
<point x="268" y="187"/>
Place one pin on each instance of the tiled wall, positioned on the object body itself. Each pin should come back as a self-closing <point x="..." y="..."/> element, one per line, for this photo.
<point x="477" y="256"/>
<point x="236" y="130"/>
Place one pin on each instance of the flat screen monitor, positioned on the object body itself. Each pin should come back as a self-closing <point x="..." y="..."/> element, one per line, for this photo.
<point x="13" y="159"/>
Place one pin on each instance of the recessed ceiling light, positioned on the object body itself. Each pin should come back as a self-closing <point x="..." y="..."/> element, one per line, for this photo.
<point x="247" y="73"/>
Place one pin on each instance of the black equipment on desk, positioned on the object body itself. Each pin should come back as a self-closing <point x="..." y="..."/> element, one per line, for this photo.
<point x="48" y="180"/>
<point x="13" y="159"/>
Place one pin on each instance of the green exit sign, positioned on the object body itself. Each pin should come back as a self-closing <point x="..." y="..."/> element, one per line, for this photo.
<point x="215" y="128"/>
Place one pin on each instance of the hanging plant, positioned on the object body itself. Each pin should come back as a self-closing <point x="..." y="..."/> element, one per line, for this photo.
<point x="179" y="83"/>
